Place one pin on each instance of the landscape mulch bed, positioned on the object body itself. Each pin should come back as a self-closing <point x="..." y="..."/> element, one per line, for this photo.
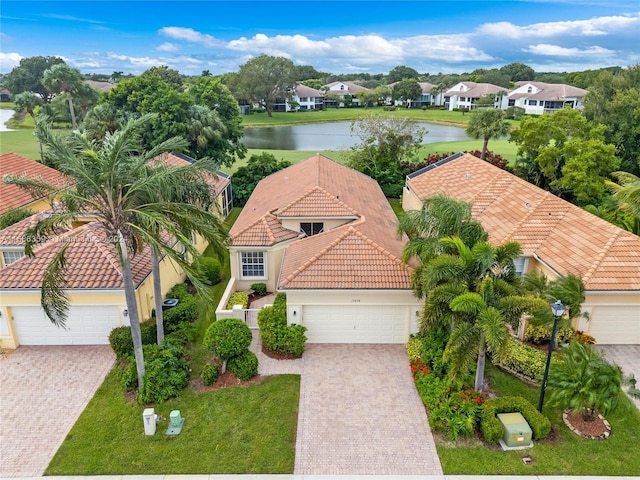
<point x="595" y="428"/>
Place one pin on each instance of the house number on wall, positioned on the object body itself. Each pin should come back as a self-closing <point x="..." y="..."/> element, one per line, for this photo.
<point x="356" y="300"/>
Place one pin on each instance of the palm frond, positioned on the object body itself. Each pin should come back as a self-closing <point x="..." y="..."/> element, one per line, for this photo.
<point x="461" y="351"/>
<point x="55" y="301"/>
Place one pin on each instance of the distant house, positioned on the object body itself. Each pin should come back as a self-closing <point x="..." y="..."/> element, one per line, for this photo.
<point x="100" y="86"/>
<point x="425" y="98"/>
<point x="5" y="96"/>
<point x="302" y="98"/>
<point x="537" y="97"/>
<point x="341" y="89"/>
<point x="465" y="95"/>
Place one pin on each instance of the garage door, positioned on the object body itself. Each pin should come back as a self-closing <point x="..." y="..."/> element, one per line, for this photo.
<point x="356" y="324"/>
<point x="85" y="326"/>
<point x="619" y="324"/>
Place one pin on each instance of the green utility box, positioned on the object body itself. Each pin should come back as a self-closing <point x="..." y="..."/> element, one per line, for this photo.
<point x="517" y="432"/>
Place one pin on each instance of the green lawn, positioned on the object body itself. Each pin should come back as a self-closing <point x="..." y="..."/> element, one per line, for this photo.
<point x="569" y="455"/>
<point x="231" y="430"/>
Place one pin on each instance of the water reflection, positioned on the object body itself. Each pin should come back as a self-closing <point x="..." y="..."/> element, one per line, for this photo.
<point x="331" y="136"/>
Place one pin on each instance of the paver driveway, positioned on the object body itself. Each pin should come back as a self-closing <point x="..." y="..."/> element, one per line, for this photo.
<point x="628" y="357"/>
<point x="43" y="390"/>
<point x="359" y="412"/>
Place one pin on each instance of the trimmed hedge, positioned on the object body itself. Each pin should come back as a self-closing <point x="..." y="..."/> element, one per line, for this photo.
<point x="228" y="338"/>
<point x="525" y="360"/>
<point x="179" y="291"/>
<point x="238" y="298"/>
<point x="276" y="335"/>
<point x="244" y="366"/>
<point x="122" y="343"/>
<point x="185" y="312"/>
<point x="491" y="427"/>
<point x="209" y="374"/>
<point x="209" y="269"/>
<point x="259" y="288"/>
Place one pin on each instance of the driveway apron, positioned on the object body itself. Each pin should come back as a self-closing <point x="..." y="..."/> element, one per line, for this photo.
<point x="361" y="415"/>
<point x="43" y="391"/>
<point x="628" y="357"/>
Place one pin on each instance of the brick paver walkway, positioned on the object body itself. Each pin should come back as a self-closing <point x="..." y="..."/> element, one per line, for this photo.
<point x="359" y="412"/>
<point x="43" y="390"/>
<point x="628" y="357"/>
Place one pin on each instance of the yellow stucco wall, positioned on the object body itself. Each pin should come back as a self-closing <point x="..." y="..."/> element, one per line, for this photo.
<point x="273" y="257"/>
<point x="410" y="200"/>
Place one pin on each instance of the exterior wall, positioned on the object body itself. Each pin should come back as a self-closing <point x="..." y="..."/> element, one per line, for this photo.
<point x="273" y="257"/>
<point x="410" y="200"/>
<point x="593" y="300"/>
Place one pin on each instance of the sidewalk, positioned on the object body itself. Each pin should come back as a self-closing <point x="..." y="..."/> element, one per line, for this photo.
<point x="335" y="477"/>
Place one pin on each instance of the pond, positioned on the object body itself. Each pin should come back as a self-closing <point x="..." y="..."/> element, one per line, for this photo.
<point x="5" y="116"/>
<point x="331" y="136"/>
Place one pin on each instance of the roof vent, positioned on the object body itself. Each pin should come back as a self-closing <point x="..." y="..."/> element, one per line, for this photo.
<point x="528" y="205"/>
<point x="468" y="175"/>
<point x="286" y="179"/>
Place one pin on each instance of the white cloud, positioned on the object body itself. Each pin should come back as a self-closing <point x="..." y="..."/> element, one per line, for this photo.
<point x="190" y="35"/>
<point x="145" y="62"/>
<point x="447" y="48"/>
<point x="168" y="47"/>
<point x="558" y="51"/>
<point x="9" y="60"/>
<point x="598" y="26"/>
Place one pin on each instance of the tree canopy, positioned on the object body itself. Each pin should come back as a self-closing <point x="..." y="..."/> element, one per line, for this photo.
<point x="406" y="89"/>
<point x="400" y="73"/>
<point x="264" y="79"/>
<point x="565" y="153"/>
<point x="27" y="76"/>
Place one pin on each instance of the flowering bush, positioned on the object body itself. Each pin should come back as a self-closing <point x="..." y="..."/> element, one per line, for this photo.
<point x="585" y="338"/>
<point x="414" y="345"/>
<point x="419" y="367"/>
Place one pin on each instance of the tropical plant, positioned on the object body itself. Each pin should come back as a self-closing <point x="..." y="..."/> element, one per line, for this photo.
<point x="114" y="180"/>
<point x="627" y="192"/>
<point x="487" y="123"/>
<point x="586" y="383"/>
<point x="63" y="78"/>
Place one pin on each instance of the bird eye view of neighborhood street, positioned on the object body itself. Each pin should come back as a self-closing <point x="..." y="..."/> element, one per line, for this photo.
<point x="358" y="239"/>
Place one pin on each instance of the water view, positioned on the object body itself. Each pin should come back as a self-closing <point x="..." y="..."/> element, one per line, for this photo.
<point x="5" y="116"/>
<point x="331" y="136"/>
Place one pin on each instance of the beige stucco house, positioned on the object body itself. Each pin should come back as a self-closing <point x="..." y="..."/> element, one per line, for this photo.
<point x="557" y="238"/>
<point x="326" y="236"/>
<point x="97" y="301"/>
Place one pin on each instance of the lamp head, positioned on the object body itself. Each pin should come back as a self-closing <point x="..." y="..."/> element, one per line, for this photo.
<point x="558" y="308"/>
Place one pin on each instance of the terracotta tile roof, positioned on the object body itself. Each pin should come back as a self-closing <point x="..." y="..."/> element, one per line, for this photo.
<point x="92" y="262"/>
<point x="14" y="235"/>
<point x="562" y="235"/>
<point x="345" y="259"/>
<point x="265" y="231"/>
<point x="217" y="181"/>
<point x="317" y="202"/>
<point x="11" y="196"/>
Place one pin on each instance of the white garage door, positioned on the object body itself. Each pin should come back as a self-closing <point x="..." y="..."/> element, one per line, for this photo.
<point x="615" y="324"/>
<point x="356" y="323"/>
<point x="85" y="326"/>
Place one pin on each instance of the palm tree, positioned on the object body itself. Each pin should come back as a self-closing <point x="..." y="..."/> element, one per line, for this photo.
<point x="28" y="102"/>
<point x="487" y="123"/>
<point x="627" y="193"/>
<point x="481" y="289"/>
<point x="568" y="289"/>
<point x="62" y="78"/>
<point x="116" y="184"/>
<point x="440" y="216"/>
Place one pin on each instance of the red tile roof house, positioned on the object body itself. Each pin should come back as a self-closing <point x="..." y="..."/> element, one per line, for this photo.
<point x="12" y="196"/>
<point x="556" y="236"/>
<point x="97" y="300"/>
<point x="326" y="236"/>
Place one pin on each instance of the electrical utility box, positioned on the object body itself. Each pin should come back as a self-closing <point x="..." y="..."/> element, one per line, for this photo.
<point x="516" y="430"/>
<point x="149" y="419"/>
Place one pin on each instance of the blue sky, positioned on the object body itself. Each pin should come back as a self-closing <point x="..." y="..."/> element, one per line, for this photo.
<point x="333" y="36"/>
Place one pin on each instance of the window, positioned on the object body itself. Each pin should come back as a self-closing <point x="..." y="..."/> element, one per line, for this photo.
<point x="10" y="257"/>
<point x="521" y="264"/>
<point x="533" y="102"/>
<point x="310" y="229"/>
<point x="304" y="99"/>
<point x="253" y="264"/>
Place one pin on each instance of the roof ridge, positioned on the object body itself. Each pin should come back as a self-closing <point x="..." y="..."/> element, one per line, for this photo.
<point x="600" y="257"/>
<point x="94" y="239"/>
<point x="265" y="222"/>
<point x="252" y="224"/>
<point x="532" y="210"/>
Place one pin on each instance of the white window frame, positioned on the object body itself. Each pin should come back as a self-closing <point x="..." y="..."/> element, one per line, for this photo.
<point x="312" y="226"/>
<point x="12" y="253"/>
<point x="244" y="256"/>
<point x="521" y="264"/>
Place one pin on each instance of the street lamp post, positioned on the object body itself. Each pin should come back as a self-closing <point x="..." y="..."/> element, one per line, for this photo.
<point x="558" y="310"/>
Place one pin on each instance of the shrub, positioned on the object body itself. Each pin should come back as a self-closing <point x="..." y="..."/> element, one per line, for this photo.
<point x="259" y="288"/>
<point x="183" y="333"/>
<point x="166" y="372"/>
<point x="418" y="367"/>
<point x="276" y="335"/>
<point x="179" y="291"/>
<point x="244" y="366"/>
<point x="542" y="333"/>
<point x="281" y="299"/>
<point x="583" y="337"/>
<point x="526" y="360"/>
<point x="185" y="312"/>
<point x="273" y="316"/>
<point x="491" y="427"/>
<point x="238" y="298"/>
<point x="414" y="347"/>
<point x="209" y="374"/>
<point x="209" y="269"/>
<point x="433" y="344"/>
<point x="228" y="338"/>
<point x="122" y="343"/>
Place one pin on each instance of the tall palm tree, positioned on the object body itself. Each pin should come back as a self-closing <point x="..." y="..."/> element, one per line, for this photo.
<point x="627" y="192"/>
<point x="487" y="123"/>
<point x="62" y="78"/>
<point x="474" y="288"/>
<point x="440" y="216"/>
<point x="28" y="102"/>
<point x="115" y="184"/>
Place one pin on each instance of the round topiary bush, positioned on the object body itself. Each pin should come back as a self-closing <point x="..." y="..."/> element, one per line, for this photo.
<point x="244" y="366"/>
<point x="209" y="269"/>
<point x="209" y="374"/>
<point x="227" y="338"/>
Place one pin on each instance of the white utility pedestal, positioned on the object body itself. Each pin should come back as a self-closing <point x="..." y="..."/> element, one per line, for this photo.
<point x="149" y="419"/>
